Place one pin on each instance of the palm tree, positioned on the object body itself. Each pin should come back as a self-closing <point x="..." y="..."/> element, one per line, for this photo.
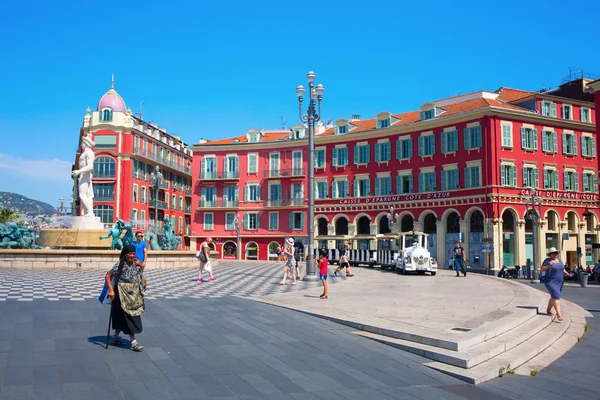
<point x="7" y="215"/>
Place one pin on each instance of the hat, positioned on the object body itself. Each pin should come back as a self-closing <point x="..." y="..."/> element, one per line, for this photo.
<point x="290" y="241"/>
<point x="552" y="250"/>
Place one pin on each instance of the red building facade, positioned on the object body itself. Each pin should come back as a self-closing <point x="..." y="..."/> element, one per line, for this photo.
<point x="457" y="169"/>
<point x="127" y="151"/>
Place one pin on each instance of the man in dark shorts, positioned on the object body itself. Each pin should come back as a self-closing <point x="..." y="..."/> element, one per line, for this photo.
<point x="344" y="262"/>
<point x="459" y="259"/>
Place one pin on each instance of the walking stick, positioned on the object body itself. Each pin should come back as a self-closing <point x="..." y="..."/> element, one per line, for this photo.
<point x="108" y="332"/>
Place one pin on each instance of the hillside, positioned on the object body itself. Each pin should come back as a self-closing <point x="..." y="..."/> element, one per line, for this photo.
<point x="23" y="205"/>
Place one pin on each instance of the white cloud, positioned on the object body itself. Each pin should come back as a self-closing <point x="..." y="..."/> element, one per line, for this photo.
<point x="53" y="170"/>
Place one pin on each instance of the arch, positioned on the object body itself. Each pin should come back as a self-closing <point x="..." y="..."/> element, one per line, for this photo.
<point x="322" y="226"/>
<point x="425" y="213"/>
<point x="552" y="218"/>
<point x="229" y="250"/>
<point x="251" y="251"/>
<point x="379" y="216"/>
<point x="430" y="223"/>
<point x="106" y="115"/>
<point x="476" y="221"/>
<point x="472" y="210"/>
<point x="383" y="225"/>
<point x="591" y="222"/>
<point x="338" y="216"/>
<point x="572" y="221"/>
<point x="407" y="223"/>
<point x="359" y="216"/>
<point x="453" y="223"/>
<point x="104" y="167"/>
<point x="322" y="216"/>
<point x="273" y="251"/>
<point x="341" y="226"/>
<point x="509" y="219"/>
<point x="363" y="226"/>
<point x="105" y="212"/>
<point x="448" y="212"/>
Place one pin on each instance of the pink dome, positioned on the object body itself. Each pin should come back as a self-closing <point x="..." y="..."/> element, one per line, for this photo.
<point x="112" y="100"/>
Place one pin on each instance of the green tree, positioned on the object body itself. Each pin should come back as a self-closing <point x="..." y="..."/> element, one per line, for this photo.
<point x="7" y="215"/>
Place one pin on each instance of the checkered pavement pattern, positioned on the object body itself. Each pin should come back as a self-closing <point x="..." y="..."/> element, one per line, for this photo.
<point x="244" y="279"/>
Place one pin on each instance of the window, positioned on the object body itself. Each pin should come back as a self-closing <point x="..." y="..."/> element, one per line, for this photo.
<point x="297" y="163"/>
<point x="273" y="221"/>
<point x="252" y="163"/>
<point x="253" y="138"/>
<point x="251" y="221"/>
<point x="472" y="177"/>
<point x="589" y="182"/>
<point x="508" y="175"/>
<point x="208" y="197"/>
<point x="429" y="114"/>
<point x="230" y="196"/>
<point x="105" y="213"/>
<point x="104" y="167"/>
<point x="449" y="141"/>
<point x="382" y="152"/>
<point x="571" y="180"/>
<point x="549" y="142"/>
<point x="472" y="137"/>
<point x="339" y="156"/>
<point x="229" y="221"/>
<point x="208" y="221"/>
<point x="569" y="142"/>
<point x="427" y="182"/>
<point x="275" y="194"/>
<point x="143" y="220"/>
<point x="135" y="193"/>
<point x="134" y="215"/>
<point x="340" y="130"/>
<point x="567" y="111"/>
<point x="362" y="154"/>
<point x="404" y="148"/>
<point x="383" y="186"/>
<point x="550" y="179"/>
<point x="231" y="166"/>
<point x="588" y="146"/>
<point x="585" y="114"/>
<point x="321" y="190"/>
<point x="297" y="220"/>
<point x="144" y="196"/>
<point x="320" y="158"/>
<point x="274" y="164"/>
<point x="362" y="187"/>
<point x="339" y="189"/>
<point x="426" y="145"/>
<point x="530" y="177"/>
<point x="252" y="192"/>
<point x="529" y="139"/>
<point x="297" y="191"/>
<point x="404" y="184"/>
<point x="208" y="168"/>
<point x="507" y="134"/>
<point x="383" y="123"/>
<point x="106" y="115"/>
<point x="104" y="192"/>
<point x="548" y="109"/>
<point x="105" y="142"/>
<point x="450" y="179"/>
<point x="174" y="202"/>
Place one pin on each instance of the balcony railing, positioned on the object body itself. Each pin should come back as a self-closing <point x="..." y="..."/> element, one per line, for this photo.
<point x="284" y="173"/>
<point x="163" y="185"/>
<point x="207" y="204"/>
<point x="104" y="198"/>
<point x="188" y="209"/>
<point x="188" y="230"/>
<point x="163" y="205"/>
<point x="284" y="202"/>
<point x="150" y="156"/>
<point x="188" y="191"/>
<point x="230" y="203"/>
<point x="212" y="176"/>
<point x="103" y="175"/>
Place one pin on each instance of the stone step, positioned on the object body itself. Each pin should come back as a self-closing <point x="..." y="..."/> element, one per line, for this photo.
<point x="473" y="355"/>
<point x="509" y="361"/>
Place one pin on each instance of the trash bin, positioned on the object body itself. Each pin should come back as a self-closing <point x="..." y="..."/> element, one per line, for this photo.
<point x="583" y="279"/>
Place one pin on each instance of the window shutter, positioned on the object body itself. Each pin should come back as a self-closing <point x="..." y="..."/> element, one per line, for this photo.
<point x="377" y="187"/>
<point x="355" y="188"/>
<point x="444" y="144"/>
<point x="593" y="144"/>
<point x="566" y="185"/>
<point x="574" y="141"/>
<point x="368" y="187"/>
<point x="398" y="148"/>
<point x="444" y="180"/>
<point x="334" y="157"/>
<point x="555" y="142"/>
<point x="398" y="191"/>
<point x="257" y="220"/>
<point x="420" y="146"/>
<point x="410" y="152"/>
<point x="467" y="177"/>
<point x="523" y="139"/>
<point x="246" y="221"/>
<point x="202" y="167"/>
<point x="564" y="143"/>
<point x="410" y="183"/>
<point x="326" y="186"/>
<point x="546" y="179"/>
<point x="466" y="138"/>
<point x="586" y="186"/>
<point x="378" y="125"/>
<point x="368" y="154"/>
<point x="301" y="220"/>
<point x="584" y="150"/>
<point x="555" y="179"/>
<point x="356" y="155"/>
<point x="334" y="190"/>
<point x="554" y="109"/>
<point x="377" y="151"/>
<point x="421" y="183"/>
<point x="236" y="164"/>
<point x="544" y="141"/>
<point x="535" y="139"/>
<point x="479" y="136"/>
<point x="536" y="181"/>
<point x="513" y="170"/>
<point x="576" y="176"/>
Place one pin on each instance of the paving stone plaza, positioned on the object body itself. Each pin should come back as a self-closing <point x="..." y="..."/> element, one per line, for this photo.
<point x="246" y="337"/>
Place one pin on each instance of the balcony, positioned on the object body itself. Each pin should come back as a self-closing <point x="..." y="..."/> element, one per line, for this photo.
<point x="104" y="198"/>
<point x="284" y="202"/>
<point x="103" y="175"/>
<point x="161" y="160"/>
<point x="188" y="230"/>
<point x="207" y="204"/>
<point x="163" y="205"/>
<point x="188" y="209"/>
<point x="221" y="175"/>
<point x="164" y="185"/>
<point x="188" y="191"/>
<point x="285" y="173"/>
<point x="230" y="203"/>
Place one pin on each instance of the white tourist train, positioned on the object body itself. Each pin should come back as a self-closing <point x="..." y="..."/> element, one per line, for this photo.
<point x="414" y="256"/>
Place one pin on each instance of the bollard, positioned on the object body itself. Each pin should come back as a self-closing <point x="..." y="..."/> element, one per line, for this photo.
<point x="583" y="279"/>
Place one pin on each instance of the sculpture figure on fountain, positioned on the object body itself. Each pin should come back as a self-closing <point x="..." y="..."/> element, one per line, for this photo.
<point x="84" y="174"/>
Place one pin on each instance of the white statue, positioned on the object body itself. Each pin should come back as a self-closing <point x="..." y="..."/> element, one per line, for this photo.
<point x="86" y="165"/>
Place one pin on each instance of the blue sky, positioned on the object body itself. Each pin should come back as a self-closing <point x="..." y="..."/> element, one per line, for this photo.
<point x="215" y="70"/>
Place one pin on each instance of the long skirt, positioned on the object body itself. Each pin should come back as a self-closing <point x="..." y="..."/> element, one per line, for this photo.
<point x="122" y="321"/>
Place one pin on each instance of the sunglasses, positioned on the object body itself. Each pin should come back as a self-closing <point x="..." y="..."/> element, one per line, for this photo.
<point x="140" y="235"/>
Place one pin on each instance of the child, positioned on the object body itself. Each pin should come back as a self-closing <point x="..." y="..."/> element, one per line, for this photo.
<point x="323" y="265"/>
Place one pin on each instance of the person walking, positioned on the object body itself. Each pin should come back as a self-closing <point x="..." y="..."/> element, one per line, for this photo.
<point x="554" y="271"/>
<point x="127" y="297"/>
<point x="459" y="259"/>
<point x="289" y="269"/>
<point x="141" y="252"/>
<point x="323" y="271"/>
<point x="344" y="262"/>
<point x="204" y="256"/>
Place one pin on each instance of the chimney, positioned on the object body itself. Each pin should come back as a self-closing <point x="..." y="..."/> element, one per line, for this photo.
<point x="355" y="117"/>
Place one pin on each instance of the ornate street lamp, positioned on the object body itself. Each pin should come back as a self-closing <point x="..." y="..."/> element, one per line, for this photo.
<point x="315" y="94"/>
<point x="534" y="214"/>
<point x="156" y="179"/>
<point x="394" y="221"/>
